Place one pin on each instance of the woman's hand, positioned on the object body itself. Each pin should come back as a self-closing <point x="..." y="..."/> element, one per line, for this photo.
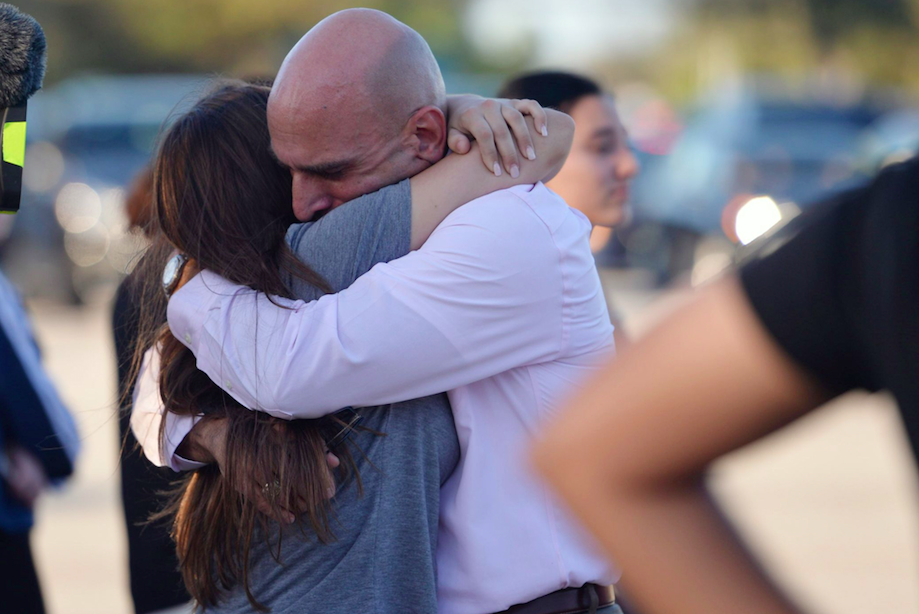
<point x="206" y="443"/>
<point x="499" y="128"/>
<point x="456" y="180"/>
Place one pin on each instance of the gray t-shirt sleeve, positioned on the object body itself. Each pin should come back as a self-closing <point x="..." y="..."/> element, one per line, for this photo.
<point x="349" y="240"/>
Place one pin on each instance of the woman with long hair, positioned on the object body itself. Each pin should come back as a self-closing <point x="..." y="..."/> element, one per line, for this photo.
<point x="223" y="200"/>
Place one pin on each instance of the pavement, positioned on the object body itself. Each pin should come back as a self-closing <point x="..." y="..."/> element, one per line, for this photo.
<point x="830" y="504"/>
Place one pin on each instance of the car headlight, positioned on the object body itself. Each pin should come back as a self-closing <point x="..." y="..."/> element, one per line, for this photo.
<point x="755" y="218"/>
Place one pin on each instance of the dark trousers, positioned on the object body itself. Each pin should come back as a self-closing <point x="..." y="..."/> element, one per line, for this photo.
<point x="156" y="583"/>
<point x="18" y="580"/>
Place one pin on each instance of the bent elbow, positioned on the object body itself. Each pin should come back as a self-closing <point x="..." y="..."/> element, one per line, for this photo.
<point x="145" y="428"/>
<point x="561" y="127"/>
<point x="290" y="401"/>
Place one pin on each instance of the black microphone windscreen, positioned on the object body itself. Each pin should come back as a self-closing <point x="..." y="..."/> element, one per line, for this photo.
<point x="22" y="56"/>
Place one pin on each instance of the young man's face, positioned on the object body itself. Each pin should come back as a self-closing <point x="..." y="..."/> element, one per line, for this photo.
<point x="599" y="170"/>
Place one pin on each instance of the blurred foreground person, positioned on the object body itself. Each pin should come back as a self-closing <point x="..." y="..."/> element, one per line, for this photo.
<point x="595" y="179"/>
<point x="156" y="584"/>
<point x="38" y="446"/>
<point x="834" y="309"/>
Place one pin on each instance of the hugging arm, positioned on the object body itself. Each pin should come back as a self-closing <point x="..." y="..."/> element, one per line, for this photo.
<point x="458" y="179"/>
<point x="496" y="125"/>
<point x="382" y="226"/>
<point x="478" y="299"/>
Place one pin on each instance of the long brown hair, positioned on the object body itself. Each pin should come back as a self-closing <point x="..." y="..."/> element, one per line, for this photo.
<point x="221" y="199"/>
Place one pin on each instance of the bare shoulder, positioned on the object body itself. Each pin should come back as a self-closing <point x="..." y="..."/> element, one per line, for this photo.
<point x="511" y="224"/>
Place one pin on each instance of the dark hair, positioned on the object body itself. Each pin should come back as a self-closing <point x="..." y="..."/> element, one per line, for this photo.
<point x="555" y="90"/>
<point x="138" y="204"/>
<point x="220" y="198"/>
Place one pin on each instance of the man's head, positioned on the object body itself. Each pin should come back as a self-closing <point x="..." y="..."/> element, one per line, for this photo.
<point x="357" y="105"/>
<point x="601" y="165"/>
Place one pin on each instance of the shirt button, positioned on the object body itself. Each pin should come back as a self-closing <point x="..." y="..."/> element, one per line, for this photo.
<point x="229" y="386"/>
<point x="187" y="338"/>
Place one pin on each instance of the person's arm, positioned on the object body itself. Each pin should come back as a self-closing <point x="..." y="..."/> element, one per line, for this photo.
<point x="31" y="409"/>
<point x="496" y="125"/>
<point x="708" y="381"/>
<point x="482" y="296"/>
<point x="381" y="226"/>
<point x="147" y="411"/>
<point x="809" y="321"/>
<point x="459" y="179"/>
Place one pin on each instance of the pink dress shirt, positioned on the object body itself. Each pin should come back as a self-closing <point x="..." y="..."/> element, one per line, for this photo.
<point x="503" y="308"/>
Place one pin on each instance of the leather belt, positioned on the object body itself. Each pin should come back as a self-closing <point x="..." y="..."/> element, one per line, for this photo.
<point x="585" y="598"/>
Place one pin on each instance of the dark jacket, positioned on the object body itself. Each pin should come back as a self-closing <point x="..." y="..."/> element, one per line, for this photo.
<point x="31" y="412"/>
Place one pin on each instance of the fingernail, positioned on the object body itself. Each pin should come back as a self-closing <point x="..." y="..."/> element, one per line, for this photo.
<point x="497" y="170"/>
<point x="531" y="155"/>
<point x="545" y="131"/>
<point x="515" y="172"/>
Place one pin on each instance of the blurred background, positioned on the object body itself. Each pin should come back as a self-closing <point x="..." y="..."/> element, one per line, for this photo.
<point x="741" y="112"/>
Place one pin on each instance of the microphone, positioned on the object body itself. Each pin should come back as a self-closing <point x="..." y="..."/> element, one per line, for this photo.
<point x="22" y="69"/>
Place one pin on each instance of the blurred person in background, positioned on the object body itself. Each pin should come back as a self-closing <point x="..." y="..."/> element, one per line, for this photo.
<point x="38" y="445"/>
<point x="601" y="166"/>
<point x="222" y="198"/>
<point x="156" y="584"/>
<point x="836" y="308"/>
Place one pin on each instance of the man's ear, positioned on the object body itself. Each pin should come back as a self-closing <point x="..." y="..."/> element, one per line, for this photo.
<point x="426" y="133"/>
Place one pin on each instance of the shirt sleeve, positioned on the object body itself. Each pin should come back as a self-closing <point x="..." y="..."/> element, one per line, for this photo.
<point x="833" y="295"/>
<point x="482" y="296"/>
<point x="148" y="413"/>
<point x="340" y="247"/>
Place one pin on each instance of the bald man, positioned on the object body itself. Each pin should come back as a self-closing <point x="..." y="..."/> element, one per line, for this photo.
<point x="502" y="307"/>
<point x="359" y="104"/>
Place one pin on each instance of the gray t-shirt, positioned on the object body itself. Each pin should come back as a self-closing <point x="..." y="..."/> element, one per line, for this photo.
<point x="383" y="558"/>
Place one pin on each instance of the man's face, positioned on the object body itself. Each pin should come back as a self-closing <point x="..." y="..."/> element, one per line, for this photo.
<point x="335" y="155"/>
<point x="601" y="165"/>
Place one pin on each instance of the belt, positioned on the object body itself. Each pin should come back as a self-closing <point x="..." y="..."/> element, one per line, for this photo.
<point x="568" y="601"/>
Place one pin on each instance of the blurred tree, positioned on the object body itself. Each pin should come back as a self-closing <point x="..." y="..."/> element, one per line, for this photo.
<point x="869" y="40"/>
<point x="830" y="20"/>
<point x="236" y="36"/>
<point x="876" y="39"/>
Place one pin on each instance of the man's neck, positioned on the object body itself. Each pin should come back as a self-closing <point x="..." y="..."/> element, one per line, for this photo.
<point x="599" y="237"/>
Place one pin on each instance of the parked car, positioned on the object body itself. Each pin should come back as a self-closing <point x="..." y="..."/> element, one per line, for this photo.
<point x="91" y="136"/>
<point x="741" y="166"/>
